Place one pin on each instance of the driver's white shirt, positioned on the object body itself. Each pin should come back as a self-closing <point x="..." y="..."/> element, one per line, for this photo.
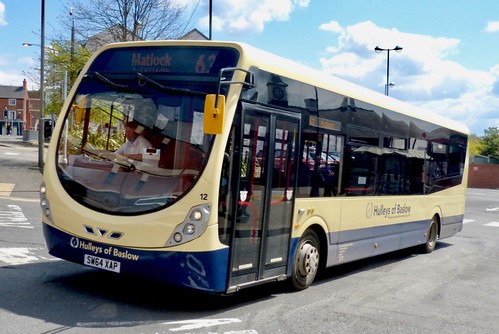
<point x="134" y="147"/>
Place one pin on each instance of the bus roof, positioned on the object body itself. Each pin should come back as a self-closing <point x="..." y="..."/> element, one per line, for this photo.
<point x="251" y="56"/>
<point x="286" y="67"/>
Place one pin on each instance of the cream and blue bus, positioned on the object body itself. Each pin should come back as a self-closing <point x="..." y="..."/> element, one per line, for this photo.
<point x="257" y="169"/>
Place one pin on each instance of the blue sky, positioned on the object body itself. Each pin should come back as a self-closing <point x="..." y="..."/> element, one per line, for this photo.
<point x="449" y="62"/>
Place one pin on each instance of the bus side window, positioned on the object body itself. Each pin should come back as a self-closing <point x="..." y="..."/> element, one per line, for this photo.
<point x="392" y="179"/>
<point x="362" y="172"/>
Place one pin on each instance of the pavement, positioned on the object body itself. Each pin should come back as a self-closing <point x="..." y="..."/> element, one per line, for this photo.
<point x="20" y="176"/>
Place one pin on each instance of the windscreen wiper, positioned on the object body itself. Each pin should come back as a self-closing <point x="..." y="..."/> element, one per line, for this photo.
<point x="142" y="77"/>
<point x="108" y="82"/>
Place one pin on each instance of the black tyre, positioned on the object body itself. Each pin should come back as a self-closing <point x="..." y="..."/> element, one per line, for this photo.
<point x="432" y="235"/>
<point x="306" y="261"/>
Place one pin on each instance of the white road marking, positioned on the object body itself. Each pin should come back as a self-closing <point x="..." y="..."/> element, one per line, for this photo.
<point x="492" y="224"/>
<point x="14" y="217"/>
<point x="18" y="255"/>
<point x="466" y="221"/>
<point x="199" y="323"/>
<point x="185" y="325"/>
<point x="493" y="209"/>
<point x="15" y="256"/>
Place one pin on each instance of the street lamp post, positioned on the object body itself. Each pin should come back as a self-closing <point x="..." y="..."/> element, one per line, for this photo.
<point x="72" y="40"/>
<point x="41" y="128"/>
<point x="211" y="18"/>
<point x="397" y="49"/>
<point x="41" y="138"/>
<point x="391" y="84"/>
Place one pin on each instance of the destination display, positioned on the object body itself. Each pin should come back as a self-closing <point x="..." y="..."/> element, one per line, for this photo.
<point x="157" y="59"/>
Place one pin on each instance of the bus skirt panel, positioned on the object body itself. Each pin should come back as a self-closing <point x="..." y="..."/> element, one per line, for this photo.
<point x="206" y="271"/>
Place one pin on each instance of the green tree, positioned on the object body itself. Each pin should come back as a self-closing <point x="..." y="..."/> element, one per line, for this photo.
<point x="490" y="142"/>
<point x="475" y="145"/>
<point x="62" y="66"/>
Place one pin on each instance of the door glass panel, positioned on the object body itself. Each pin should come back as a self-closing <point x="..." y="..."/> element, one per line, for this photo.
<point x="282" y="192"/>
<point x="266" y="189"/>
<point x="253" y="180"/>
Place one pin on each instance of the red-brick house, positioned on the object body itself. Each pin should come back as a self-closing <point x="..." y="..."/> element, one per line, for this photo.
<point x="19" y="107"/>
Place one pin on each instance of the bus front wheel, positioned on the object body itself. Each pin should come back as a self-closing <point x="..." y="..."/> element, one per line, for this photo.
<point x="431" y="239"/>
<point x="306" y="261"/>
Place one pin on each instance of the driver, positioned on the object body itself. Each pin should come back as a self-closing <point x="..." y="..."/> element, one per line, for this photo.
<point x="132" y="148"/>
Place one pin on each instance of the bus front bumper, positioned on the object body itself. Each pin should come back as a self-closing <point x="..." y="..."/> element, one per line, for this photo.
<point x="206" y="271"/>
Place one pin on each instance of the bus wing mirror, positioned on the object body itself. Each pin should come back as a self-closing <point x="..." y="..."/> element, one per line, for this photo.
<point x="214" y="110"/>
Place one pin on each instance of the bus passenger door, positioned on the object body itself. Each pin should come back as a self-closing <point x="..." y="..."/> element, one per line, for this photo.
<point x="265" y="190"/>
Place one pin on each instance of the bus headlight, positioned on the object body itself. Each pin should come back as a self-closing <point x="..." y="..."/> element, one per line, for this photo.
<point x="44" y="203"/>
<point x="192" y="227"/>
<point x="177" y="237"/>
<point x="196" y="215"/>
<point x="189" y="229"/>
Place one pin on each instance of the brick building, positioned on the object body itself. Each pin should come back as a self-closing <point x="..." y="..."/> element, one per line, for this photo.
<point x="20" y="109"/>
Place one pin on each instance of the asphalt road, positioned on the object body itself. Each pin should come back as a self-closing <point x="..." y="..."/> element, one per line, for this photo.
<point x="452" y="290"/>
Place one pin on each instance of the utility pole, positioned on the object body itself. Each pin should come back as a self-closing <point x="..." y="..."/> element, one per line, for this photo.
<point x="396" y="49"/>
<point x="211" y="17"/>
<point x="41" y="137"/>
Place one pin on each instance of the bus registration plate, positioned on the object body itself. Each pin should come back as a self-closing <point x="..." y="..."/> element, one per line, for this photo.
<point x="101" y="263"/>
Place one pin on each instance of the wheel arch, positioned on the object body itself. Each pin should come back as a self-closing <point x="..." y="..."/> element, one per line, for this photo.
<point x="437" y="214"/>
<point x="319" y="227"/>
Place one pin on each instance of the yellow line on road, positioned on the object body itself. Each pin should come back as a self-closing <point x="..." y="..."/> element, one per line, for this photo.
<point x="6" y="189"/>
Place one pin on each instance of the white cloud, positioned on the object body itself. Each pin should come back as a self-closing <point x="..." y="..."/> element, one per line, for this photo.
<point x="27" y="61"/>
<point x="423" y="72"/>
<point x="3" y="22"/>
<point x="332" y="26"/>
<point x="11" y="78"/>
<point x="14" y="70"/>
<point x="302" y="3"/>
<point x="249" y="16"/>
<point x="492" y="26"/>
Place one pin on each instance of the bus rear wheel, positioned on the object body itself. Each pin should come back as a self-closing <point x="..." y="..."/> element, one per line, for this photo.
<point x="306" y="261"/>
<point x="431" y="239"/>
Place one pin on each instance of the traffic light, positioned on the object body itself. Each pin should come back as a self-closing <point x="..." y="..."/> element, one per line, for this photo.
<point x="47" y="128"/>
<point x="6" y="114"/>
